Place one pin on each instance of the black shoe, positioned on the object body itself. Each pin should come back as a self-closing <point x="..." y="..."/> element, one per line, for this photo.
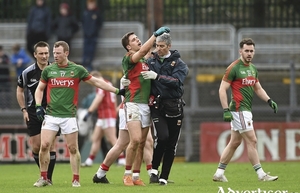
<point x="153" y="178"/>
<point x="102" y="180"/>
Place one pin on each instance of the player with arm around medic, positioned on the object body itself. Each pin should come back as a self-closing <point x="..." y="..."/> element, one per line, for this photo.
<point x="136" y="107"/>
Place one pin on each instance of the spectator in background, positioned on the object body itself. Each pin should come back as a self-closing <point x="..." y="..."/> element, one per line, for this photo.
<point x="4" y="58"/>
<point x="92" y="21"/>
<point x="38" y="25"/>
<point x="65" y="25"/>
<point x="4" y="79"/>
<point x="19" y="59"/>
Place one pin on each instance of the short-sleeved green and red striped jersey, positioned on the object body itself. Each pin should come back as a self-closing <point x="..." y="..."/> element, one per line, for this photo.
<point x="62" y="88"/>
<point x="139" y="89"/>
<point x="242" y="78"/>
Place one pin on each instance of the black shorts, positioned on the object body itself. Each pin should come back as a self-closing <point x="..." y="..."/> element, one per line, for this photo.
<point x="34" y="125"/>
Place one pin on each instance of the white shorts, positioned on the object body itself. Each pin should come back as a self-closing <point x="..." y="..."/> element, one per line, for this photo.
<point x="122" y="120"/>
<point x="137" y="112"/>
<point x="106" y="123"/>
<point x="242" y="121"/>
<point x="66" y="125"/>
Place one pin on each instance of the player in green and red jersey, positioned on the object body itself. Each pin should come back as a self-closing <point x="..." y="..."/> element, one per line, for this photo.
<point x="136" y="107"/>
<point x="242" y="77"/>
<point x="62" y="80"/>
<point x="123" y="141"/>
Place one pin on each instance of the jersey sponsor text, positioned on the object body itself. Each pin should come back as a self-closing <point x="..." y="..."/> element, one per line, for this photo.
<point x="62" y="82"/>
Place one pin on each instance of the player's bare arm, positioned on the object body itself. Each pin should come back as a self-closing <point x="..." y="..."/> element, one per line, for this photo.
<point x="39" y="92"/>
<point x="21" y="102"/>
<point x="101" y="84"/>
<point x="144" y="50"/>
<point x="223" y="94"/>
<point x="260" y="92"/>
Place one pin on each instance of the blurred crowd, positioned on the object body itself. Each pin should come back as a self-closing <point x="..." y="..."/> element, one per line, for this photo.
<point x="42" y="26"/>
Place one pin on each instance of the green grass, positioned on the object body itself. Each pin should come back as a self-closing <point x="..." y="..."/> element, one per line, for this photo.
<point x="188" y="177"/>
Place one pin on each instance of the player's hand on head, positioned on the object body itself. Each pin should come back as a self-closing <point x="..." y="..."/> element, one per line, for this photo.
<point x="161" y="30"/>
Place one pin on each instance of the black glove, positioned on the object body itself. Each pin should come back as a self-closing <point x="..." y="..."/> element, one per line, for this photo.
<point x="88" y="114"/>
<point x="161" y="30"/>
<point x="40" y="112"/>
<point x="121" y="92"/>
<point x="273" y="105"/>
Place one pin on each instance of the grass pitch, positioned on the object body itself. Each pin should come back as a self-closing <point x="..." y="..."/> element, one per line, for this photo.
<point x="188" y="177"/>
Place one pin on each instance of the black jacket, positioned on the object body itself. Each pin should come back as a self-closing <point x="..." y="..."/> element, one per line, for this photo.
<point x="65" y="26"/>
<point x="92" y="21"/>
<point x="39" y="20"/>
<point x="171" y="73"/>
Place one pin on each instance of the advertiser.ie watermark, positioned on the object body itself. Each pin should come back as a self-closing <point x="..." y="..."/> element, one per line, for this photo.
<point x="258" y="190"/>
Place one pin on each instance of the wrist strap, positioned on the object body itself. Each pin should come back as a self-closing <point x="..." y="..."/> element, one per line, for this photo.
<point x="226" y="109"/>
<point x="24" y="108"/>
<point x="270" y="102"/>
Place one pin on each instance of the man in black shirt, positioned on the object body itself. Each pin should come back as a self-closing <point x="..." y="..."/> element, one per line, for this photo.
<point x="168" y="73"/>
<point x="26" y="86"/>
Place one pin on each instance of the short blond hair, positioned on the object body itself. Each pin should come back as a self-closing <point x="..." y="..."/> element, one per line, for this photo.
<point x="63" y="44"/>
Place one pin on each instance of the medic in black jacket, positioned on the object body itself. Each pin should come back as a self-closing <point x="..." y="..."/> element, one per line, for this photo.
<point x="168" y="73"/>
<point x="171" y="73"/>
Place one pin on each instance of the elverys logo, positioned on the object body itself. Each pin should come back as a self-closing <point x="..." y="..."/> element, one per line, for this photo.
<point x="65" y="83"/>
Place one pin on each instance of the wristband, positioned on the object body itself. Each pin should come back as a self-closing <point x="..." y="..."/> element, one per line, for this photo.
<point x="117" y="91"/>
<point x="226" y="109"/>
<point x="24" y="108"/>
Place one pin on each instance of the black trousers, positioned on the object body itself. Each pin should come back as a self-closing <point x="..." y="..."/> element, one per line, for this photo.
<point x="166" y="135"/>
